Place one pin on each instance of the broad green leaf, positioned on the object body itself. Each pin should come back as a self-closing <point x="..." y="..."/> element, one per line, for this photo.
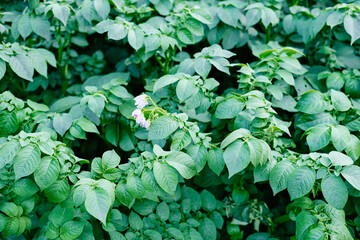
<point x="334" y="191"/>
<point x="25" y="187"/>
<point x="312" y="102"/>
<point x="237" y="157"/>
<point x="58" y="191"/>
<point x="152" y="43"/>
<point x="202" y="67"/>
<point x="300" y="182"/>
<point x="61" y="12"/>
<point x="180" y="140"/>
<point x="24" y="26"/>
<point x="318" y="137"/>
<point x="116" y="31"/>
<point x="110" y="159"/>
<point x="22" y="66"/>
<point x="207" y="229"/>
<point x="26" y="161"/>
<point x="335" y="18"/>
<point x="87" y="125"/>
<point x="164" y="81"/>
<point x="47" y="172"/>
<point x="163" y="211"/>
<point x="64" y="104"/>
<point x="41" y="27"/>
<point x="162" y="127"/>
<point x="183" y="163"/>
<point x="352" y="174"/>
<point x="215" y="160"/>
<point x="98" y="203"/>
<point x="135" y="186"/>
<point x="262" y="172"/>
<point x="340" y="137"/>
<point x="353" y="148"/>
<point x="304" y="223"/>
<point x="7" y="152"/>
<point x="71" y="230"/>
<point x="2" y="68"/>
<point x="287" y="77"/>
<point x="124" y="196"/>
<point x="279" y="175"/>
<point x="102" y="7"/>
<point x="166" y="177"/>
<point x="340" y="100"/>
<point x="185" y="89"/>
<point x="292" y="65"/>
<point x="62" y="123"/>
<point x="239" y="133"/>
<point x="194" y="26"/>
<point x="229" y="108"/>
<point x="253" y="16"/>
<point x="351" y="25"/>
<point x="136" y="38"/>
<point x="199" y="154"/>
<point x="9" y="123"/>
<point x="229" y="15"/>
<point x="135" y="221"/>
<point x="185" y="36"/>
<point x="208" y="200"/>
<point x="202" y="15"/>
<point x="340" y="159"/>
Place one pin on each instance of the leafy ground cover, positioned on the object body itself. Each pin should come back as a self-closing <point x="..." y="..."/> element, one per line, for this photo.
<point x="172" y="119"/>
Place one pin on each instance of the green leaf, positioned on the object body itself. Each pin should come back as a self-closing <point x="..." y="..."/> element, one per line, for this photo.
<point x="110" y="159"/>
<point x="202" y="15"/>
<point x="340" y="100"/>
<point x="304" y="223"/>
<point x="237" y="157"/>
<point x="135" y="221"/>
<point x="2" y="68"/>
<point x="116" y="31"/>
<point x="292" y="65"/>
<point x="352" y="174"/>
<point x="229" y="108"/>
<point x="183" y="163"/>
<point x="351" y="25"/>
<point x="63" y="104"/>
<point x="87" y="125"/>
<point x="62" y="123"/>
<point x="7" y="152"/>
<point x="207" y="229"/>
<point x="215" y="160"/>
<point x="279" y="175"/>
<point x="41" y="27"/>
<point x="239" y="133"/>
<point x="135" y="186"/>
<point x="208" y="200"/>
<point x="340" y="137"/>
<point x="26" y="161"/>
<point x="229" y="15"/>
<point x="25" y="187"/>
<point x="287" y="77"/>
<point x="185" y="89"/>
<point x="194" y="26"/>
<point x="185" y="36"/>
<point x="353" y="148"/>
<point x="98" y="203"/>
<point x="9" y="123"/>
<point x="58" y="191"/>
<point x="163" y="211"/>
<point x="166" y="177"/>
<point x="262" y="172"/>
<point x="61" y="12"/>
<point x="180" y="140"/>
<point x="22" y="66"/>
<point x="71" y="230"/>
<point x="199" y="154"/>
<point x="24" y="26"/>
<point x="47" y="172"/>
<point x="152" y="43"/>
<point x="340" y="159"/>
<point x="202" y="67"/>
<point x="136" y="38"/>
<point x="300" y="182"/>
<point x="334" y="191"/>
<point x="162" y="127"/>
<point x="102" y="7"/>
<point x="124" y="196"/>
<point x="253" y="16"/>
<point x="312" y="102"/>
<point x="164" y="81"/>
<point x="318" y="137"/>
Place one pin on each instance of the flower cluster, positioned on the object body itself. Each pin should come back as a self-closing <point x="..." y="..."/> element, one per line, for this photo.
<point x="141" y="102"/>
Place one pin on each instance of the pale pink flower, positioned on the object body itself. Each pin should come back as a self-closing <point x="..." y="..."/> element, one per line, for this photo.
<point x="136" y="113"/>
<point x="141" y="101"/>
<point x="145" y="124"/>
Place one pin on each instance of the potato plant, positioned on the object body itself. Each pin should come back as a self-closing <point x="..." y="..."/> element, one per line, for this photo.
<point x="174" y="119"/>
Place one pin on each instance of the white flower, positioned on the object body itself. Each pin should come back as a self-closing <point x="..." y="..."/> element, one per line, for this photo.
<point x="136" y="113"/>
<point x="141" y="101"/>
<point x="140" y="119"/>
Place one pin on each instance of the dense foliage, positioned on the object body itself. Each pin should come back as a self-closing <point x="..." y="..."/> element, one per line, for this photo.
<point x="172" y="119"/>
